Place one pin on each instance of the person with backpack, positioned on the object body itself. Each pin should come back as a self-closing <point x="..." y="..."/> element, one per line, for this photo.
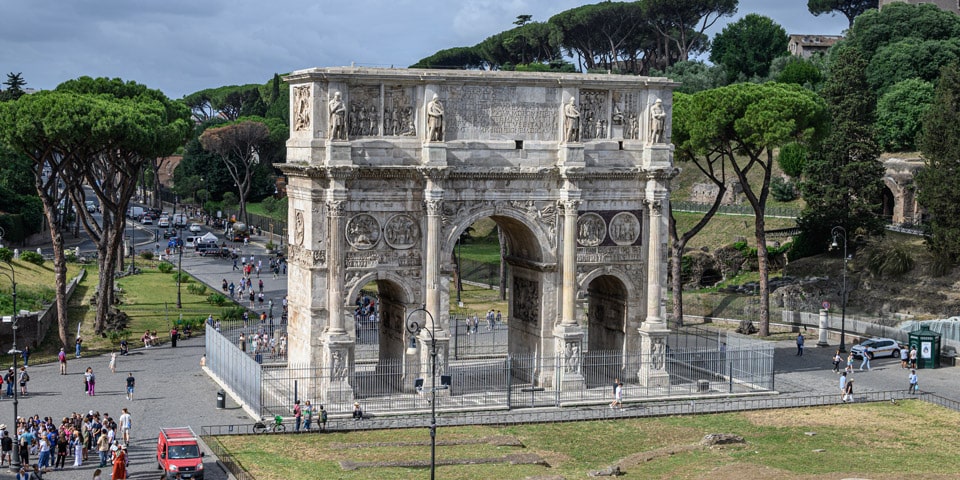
<point x="62" y="357"/>
<point x="23" y="379"/>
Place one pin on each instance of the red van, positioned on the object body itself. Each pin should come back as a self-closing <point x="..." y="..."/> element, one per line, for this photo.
<point x="178" y="451"/>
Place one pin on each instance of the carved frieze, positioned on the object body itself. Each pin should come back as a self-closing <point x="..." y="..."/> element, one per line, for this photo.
<point x="398" y="112"/>
<point x="306" y="257"/>
<point x="363" y="231"/>
<point x="298" y="223"/>
<point x="401" y="232"/>
<point x="387" y="258"/>
<point x="593" y="114"/>
<point x="364" y="118"/>
<point x="625" y="114"/>
<point x="301" y="100"/>
<point x="618" y="254"/>
<point x="591" y="230"/>
<point x="526" y="301"/>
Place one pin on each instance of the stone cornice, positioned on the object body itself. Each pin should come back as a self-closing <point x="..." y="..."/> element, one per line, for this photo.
<point x="360" y="75"/>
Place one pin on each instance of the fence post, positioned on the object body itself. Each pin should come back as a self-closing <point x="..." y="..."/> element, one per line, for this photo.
<point x="509" y="382"/>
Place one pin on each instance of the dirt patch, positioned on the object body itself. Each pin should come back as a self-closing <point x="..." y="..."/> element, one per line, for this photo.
<point x="512" y="459"/>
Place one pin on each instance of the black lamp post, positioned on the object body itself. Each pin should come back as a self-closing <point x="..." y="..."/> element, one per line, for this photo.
<point x="179" y="264"/>
<point x="15" y="465"/>
<point x="414" y="328"/>
<point x="840" y="232"/>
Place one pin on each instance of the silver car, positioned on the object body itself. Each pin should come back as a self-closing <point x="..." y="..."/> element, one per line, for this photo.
<point x="879" y="347"/>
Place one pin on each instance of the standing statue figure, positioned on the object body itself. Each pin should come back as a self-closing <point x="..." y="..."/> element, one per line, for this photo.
<point x="435" y="120"/>
<point x="571" y="122"/>
<point x="657" y="117"/>
<point x="337" y="121"/>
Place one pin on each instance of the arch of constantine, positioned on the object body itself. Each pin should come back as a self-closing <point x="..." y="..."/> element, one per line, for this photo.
<point x="387" y="167"/>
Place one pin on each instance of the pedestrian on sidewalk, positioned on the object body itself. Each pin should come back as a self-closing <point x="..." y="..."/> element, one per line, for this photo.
<point x="848" y="391"/>
<point x="297" y="415"/>
<point x="914" y="386"/>
<point x="307" y="415"/>
<point x="618" y="396"/>
<point x="62" y="358"/>
<point x="79" y="342"/>
<point x="836" y="361"/>
<point x="904" y="355"/>
<point x="131" y="383"/>
<point x="91" y="381"/>
<point x="850" y="363"/>
<point x="913" y="357"/>
<point x="866" y="359"/>
<point x="800" y="344"/>
<point x="323" y="419"/>
<point x="843" y="383"/>
<point x="260" y="285"/>
<point x="126" y="423"/>
<point x="25" y="354"/>
<point x="23" y="379"/>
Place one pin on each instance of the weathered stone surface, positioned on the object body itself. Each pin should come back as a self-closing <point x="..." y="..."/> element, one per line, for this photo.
<point x="612" y="471"/>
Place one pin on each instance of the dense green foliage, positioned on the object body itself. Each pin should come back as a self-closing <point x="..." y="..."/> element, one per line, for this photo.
<point x="32" y="257"/>
<point x="746" y="47"/>
<point x="843" y="177"/>
<point x="791" y="158"/>
<point x="900" y="113"/>
<point x="800" y="71"/>
<point x="21" y="212"/>
<point x="888" y="259"/>
<point x="694" y="76"/>
<point x="937" y="183"/>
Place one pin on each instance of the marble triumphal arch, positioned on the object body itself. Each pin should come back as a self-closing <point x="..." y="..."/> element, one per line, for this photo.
<point x="387" y="167"/>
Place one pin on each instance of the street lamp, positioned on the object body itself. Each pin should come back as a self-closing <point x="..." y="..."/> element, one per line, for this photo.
<point x="414" y="328"/>
<point x="179" y="245"/>
<point x="15" y="466"/>
<point x="840" y="232"/>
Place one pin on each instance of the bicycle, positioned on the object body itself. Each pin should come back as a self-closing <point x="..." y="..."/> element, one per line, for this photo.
<point x="277" y="427"/>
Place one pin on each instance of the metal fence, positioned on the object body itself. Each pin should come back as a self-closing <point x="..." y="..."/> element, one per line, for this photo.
<point x="770" y="211"/>
<point x="235" y="368"/>
<point x="480" y="272"/>
<point x="712" y="364"/>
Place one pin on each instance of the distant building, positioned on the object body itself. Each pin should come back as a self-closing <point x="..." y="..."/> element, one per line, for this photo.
<point x="804" y="46"/>
<point x="948" y="5"/>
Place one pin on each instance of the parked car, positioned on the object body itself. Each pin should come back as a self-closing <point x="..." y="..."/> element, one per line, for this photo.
<point x="195" y="228"/>
<point x="179" y="454"/>
<point x="879" y="347"/>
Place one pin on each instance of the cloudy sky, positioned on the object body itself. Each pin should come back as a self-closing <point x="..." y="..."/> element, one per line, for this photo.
<point x="181" y="46"/>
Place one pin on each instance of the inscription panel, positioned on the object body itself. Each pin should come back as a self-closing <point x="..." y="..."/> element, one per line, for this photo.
<point x="486" y="112"/>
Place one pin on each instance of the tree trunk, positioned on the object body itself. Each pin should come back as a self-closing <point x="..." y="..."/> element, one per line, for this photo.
<point x="676" y="268"/>
<point x="763" y="266"/>
<point x="59" y="264"/>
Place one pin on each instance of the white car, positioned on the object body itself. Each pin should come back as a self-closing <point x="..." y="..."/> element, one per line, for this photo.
<point x="195" y="228"/>
<point x="164" y="222"/>
<point x="878" y="347"/>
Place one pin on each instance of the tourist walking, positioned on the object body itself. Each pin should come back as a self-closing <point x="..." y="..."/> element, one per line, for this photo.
<point x="78" y="343"/>
<point x="914" y="386"/>
<point x="904" y="356"/>
<point x="62" y="358"/>
<point x="22" y="379"/>
<point x="307" y="415"/>
<point x="25" y="354"/>
<point x="866" y="359"/>
<point x="131" y="383"/>
<point x="850" y="363"/>
<point x="10" y="378"/>
<point x="125" y="424"/>
<point x="617" y="396"/>
<point x="913" y="357"/>
<point x="297" y="415"/>
<point x="799" y="344"/>
<point x="113" y="362"/>
<point x="843" y="383"/>
<point x="836" y="361"/>
<point x="848" y="391"/>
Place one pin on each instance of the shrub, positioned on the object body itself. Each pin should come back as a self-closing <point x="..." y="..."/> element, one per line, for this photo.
<point x="181" y="277"/>
<point x="6" y="255"/>
<point x="70" y="256"/>
<point x="888" y="258"/>
<point x="232" y="313"/>
<point x="269" y="204"/>
<point x="32" y="257"/>
<point x="165" y="267"/>
<point x="792" y="158"/>
<point x="217" y="299"/>
<point x="115" y="336"/>
<point x="197" y="288"/>
<point x="146" y="255"/>
<point x="783" y="190"/>
<point x="270" y="246"/>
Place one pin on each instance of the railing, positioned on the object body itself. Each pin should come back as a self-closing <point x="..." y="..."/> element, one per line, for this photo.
<point x="747" y="210"/>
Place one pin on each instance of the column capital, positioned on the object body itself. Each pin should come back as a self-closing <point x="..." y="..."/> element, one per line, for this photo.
<point x="433" y="206"/>
<point x="336" y="208"/>
<point x="569" y="205"/>
<point x="655" y="206"/>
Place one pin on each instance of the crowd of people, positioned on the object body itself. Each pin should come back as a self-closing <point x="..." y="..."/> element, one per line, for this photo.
<point x="73" y="439"/>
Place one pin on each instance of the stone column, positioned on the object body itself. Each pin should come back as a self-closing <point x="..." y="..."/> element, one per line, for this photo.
<point x="338" y="346"/>
<point x="824" y="328"/>
<point x="654" y="330"/>
<point x="568" y="334"/>
<point x="433" y="325"/>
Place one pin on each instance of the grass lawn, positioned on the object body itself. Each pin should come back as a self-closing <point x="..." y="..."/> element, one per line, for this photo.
<point x="34" y="285"/>
<point x="877" y="441"/>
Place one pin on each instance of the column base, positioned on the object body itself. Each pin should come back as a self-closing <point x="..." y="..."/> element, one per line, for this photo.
<point x="426" y="361"/>
<point x="569" y="347"/>
<point x="653" y="357"/>
<point x="338" y="351"/>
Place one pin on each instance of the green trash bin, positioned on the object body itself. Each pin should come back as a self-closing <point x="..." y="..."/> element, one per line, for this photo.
<point x="927" y="343"/>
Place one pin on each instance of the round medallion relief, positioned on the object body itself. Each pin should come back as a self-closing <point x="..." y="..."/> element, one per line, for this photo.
<point x="624" y="228"/>
<point x="363" y="231"/>
<point x="401" y="232"/>
<point x="591" y="230"/>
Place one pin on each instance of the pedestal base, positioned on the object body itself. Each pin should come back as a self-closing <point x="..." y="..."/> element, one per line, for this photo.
<point x="571" y="155"/>
<point x="338" y="350"/>
<point x="653" y="357"/>
<point x="434" y="154"/>
<point x="339" y="153"/>
<point x="569" y="345"/>
<point x="426" y="362"/>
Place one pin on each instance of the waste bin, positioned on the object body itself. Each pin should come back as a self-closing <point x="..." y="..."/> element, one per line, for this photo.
<point x="927" y="343"/>
<point x="221" y="399"/>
